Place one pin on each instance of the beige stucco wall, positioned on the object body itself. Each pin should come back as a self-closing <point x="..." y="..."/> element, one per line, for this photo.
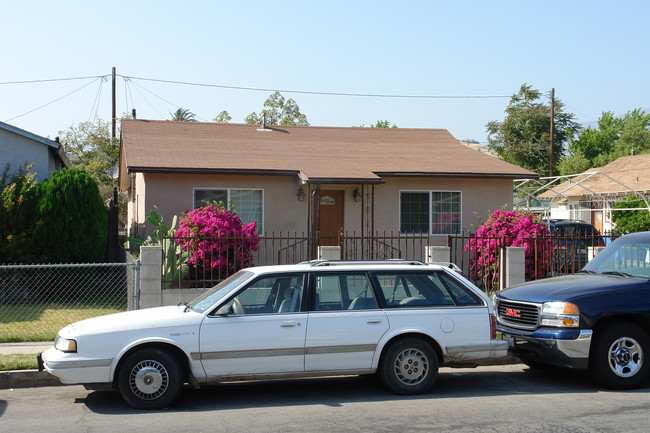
<point x="283" y="213"/>
<point x="478" y="195"/>
<point x="175" y="195"/>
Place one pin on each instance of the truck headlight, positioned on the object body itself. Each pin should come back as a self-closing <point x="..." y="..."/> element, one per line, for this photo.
<point x="65" y="344"/>
<point x="560" y="314"/>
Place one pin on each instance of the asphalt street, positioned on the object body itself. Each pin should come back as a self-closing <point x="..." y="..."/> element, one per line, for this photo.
<point x="505" y="398"/>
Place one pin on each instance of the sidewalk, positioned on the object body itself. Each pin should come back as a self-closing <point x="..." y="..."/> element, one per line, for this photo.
<point x="26" y="378"/>
<point x="26" y="348"/>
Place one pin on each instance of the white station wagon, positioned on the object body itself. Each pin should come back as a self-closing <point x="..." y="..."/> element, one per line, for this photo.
<point x="399" y="319"/>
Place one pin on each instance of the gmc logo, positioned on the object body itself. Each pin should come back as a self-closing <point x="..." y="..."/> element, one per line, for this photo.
<point x="513" y="313"/>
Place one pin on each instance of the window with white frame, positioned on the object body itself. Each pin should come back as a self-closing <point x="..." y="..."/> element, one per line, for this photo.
<point x="247" y="203"/>
<point x="433" y="212"/>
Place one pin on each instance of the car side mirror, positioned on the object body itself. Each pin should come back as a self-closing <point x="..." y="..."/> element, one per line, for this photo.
<point x="225" y="310"/>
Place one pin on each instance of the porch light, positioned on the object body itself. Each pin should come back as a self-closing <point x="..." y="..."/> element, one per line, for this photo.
<point x="356" y="195"/>
<point x="301" y="194"/>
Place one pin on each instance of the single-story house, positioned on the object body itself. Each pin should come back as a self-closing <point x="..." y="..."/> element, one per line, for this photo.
<point x="18" y="147"/>
<point x="590" y="195"/>
<point x="316" y="181"/>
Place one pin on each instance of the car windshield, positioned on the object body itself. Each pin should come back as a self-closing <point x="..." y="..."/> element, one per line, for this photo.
<point x="213" y="295"/>
<point x="628" y="256"/>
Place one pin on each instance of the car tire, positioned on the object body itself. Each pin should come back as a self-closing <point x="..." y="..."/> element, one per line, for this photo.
<point x="409" y="366"/>
<point x="150" y="379"/>
<point x="618" y="357"/>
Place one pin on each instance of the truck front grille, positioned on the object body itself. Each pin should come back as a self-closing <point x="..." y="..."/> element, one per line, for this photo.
<point x="518" y="314"/>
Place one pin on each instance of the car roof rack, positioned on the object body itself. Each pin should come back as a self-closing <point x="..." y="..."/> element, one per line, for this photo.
<point x="363" y="262"/>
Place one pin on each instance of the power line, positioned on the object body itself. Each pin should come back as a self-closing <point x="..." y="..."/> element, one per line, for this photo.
<point x="56" y="100"/>
<point x="52" y="80"/>
<point x="95" y="106"/>
<point x="310" y="92"/>
<point x="145" y="98"/>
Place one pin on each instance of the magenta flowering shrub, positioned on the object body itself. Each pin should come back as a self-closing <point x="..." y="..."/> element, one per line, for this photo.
<point x="217" y="240"/>
<point x="506" y="229"/>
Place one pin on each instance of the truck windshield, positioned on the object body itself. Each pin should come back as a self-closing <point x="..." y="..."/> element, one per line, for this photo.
<point x="629" y="256"/>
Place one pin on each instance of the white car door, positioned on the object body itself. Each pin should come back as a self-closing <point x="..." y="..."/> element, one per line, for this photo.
<point x="345" y="325"/>
<point x="265" y="333"/>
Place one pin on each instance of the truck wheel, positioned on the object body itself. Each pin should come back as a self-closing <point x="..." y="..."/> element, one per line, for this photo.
<point x="409" y="366"/>
<point x="618" y="356"/>
<point x="150" y="379"/>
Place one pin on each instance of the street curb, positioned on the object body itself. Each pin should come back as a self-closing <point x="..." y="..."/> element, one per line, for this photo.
<point x="34" y="378"/>
<point x="27" y="379"/>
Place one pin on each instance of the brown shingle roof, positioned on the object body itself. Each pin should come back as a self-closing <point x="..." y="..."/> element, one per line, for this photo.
<point x="316" y="154"/>
<point x="631" y="171"/>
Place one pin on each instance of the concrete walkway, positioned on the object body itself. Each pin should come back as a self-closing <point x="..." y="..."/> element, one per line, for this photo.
<point x="26" y="378"/>
<point x="24" y="348"/>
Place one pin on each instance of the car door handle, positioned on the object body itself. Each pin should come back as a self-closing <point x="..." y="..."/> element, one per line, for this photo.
<point x="288" y="324"/>
<point x="373" y="321"/>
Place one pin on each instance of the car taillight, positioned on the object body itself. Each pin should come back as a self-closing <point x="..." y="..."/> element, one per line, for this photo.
<point x="493" y="327"/>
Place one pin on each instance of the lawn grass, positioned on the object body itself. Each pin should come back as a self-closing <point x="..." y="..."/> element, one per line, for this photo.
<point x="19" y="361"/>
<point x="39" y="322"/>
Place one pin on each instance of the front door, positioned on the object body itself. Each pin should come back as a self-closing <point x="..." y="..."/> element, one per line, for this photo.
<point x="331" y="216"/>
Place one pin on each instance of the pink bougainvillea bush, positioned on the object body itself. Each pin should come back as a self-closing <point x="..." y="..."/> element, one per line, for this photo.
<point x="505" y="229"/>
<point x="218" y="242"/>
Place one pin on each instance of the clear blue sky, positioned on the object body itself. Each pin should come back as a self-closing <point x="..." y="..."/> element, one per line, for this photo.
<point x="594" y="53"/>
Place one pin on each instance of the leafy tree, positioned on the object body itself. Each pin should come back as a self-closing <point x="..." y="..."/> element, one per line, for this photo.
<point x="91" y="148"/>
<point x="383" y="124"/>
<point x="380" y="124"/>
<point x="573" y="164"/>
<point x="223" y="117"/>
<point x="17" y="206"/>
<point x="631" y="221"/>
<point x="183" y="115"/>
<point x="278" y="111"/>
<point x="71" y="219"/>
<point x="523" y="137"/>
<point x="613" y="138"/>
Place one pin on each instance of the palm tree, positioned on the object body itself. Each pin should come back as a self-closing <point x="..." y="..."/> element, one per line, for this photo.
<point x="183" y="115"/>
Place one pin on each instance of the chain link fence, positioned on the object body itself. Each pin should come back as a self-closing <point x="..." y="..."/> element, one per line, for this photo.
<point x="36" y="301"/>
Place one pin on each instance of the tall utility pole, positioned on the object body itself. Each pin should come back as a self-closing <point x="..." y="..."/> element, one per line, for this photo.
<point x="114" y="117"/>
<point x="552" y="126"/>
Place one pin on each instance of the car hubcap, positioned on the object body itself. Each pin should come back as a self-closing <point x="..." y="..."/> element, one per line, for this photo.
<point x="625" y="357"/>
<point x="411" y="366"/>
<point x="149" y="379"/>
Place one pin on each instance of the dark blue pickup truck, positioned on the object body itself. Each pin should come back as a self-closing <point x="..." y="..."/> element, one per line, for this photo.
<point x="596" y="319"/>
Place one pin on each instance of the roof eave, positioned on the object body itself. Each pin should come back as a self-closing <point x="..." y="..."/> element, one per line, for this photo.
<point x="457" y="175"/>
<point x="344" y="180"/>
<point x="202" y="170"/>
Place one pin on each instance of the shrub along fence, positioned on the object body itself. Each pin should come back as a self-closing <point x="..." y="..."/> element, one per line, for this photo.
<point x="36" y="301"/>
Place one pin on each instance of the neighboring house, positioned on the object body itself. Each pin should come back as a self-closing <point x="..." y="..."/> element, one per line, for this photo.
<point x="317" y="181"/>
<point x="18" y="146"/>
<point x="473" y="144"/>
<point x="590" y="195"/>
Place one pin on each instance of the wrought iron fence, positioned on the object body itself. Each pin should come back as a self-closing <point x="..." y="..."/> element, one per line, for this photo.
<point x="36" y="301"/>
<point x="210" y="260"/>
<point x="481" y="258"/>
<point x="202" y="262"/>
